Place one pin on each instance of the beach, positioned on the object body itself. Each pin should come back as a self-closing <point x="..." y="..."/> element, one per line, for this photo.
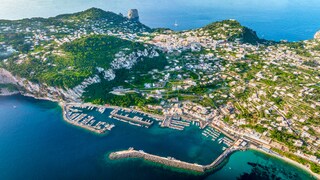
<point x="301" y="166"/>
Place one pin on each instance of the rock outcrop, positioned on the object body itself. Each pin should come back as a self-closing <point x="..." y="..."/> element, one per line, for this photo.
<point x="6" y="77"/>
<point x="133" y="15"/>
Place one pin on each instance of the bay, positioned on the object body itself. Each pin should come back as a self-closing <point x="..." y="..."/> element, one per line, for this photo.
<point x="36" y="143"/>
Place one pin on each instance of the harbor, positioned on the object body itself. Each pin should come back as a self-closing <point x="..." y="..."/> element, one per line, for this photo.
<point x="72" y="146"/>
<point x="100" y="119"/>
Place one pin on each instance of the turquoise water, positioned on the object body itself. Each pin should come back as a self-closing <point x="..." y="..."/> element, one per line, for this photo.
<point x="35" y="143"/>
<point x="272" y="19"/>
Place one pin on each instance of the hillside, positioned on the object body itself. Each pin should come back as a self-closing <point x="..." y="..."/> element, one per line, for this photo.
<point x="24" y="35"/>
<point x="232" y="30"/>
<point x="68" y="65"/>
<point x="98" y="15"/>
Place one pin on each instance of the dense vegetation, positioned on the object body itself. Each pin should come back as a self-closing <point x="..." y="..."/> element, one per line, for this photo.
<point x="77" y="60"/>
<point x="97" y="50"/>
<point x="283" y="137"/>
<point x="130" y="99"/>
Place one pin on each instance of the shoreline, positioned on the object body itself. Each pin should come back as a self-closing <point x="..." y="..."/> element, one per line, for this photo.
<point x="287" y="160"/>
<point x="63" y="103"/>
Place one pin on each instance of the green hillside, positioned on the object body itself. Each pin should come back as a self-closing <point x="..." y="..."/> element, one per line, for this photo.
<point x="71" y="63"/>
<point x="233" y="30"/>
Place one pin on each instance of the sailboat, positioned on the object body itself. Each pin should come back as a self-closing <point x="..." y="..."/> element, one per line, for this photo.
<point x="176" y="24"/>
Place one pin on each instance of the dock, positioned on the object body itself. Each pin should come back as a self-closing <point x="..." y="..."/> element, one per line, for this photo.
<point x="77" y="118"/>
<point x="174" y="124"/>
<point x="136" y="120"/>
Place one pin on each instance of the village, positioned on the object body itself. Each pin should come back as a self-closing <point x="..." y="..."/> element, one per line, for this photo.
<point x="254" y="91"/>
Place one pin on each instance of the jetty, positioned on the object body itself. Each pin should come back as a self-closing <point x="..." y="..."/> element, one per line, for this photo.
<point x="224" y="155"/>
<point x="174" y="124"/>
<point x="170" y="161"/>
<point x="132" y="120"/>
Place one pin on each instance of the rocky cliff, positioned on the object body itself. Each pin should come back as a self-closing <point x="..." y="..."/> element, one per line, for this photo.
<point x="133" y="15"/>
<point x="41" y="91"/>
<point x="6" y="77"/>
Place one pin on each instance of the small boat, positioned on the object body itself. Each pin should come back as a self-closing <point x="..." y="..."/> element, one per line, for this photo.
<point x="176" y="24"/>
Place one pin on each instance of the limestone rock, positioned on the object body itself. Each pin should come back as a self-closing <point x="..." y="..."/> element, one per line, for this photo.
<point x="133" y="15"/>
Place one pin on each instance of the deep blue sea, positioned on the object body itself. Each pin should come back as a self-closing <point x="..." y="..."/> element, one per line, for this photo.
<point x="272" y="19"/>
<point x="36" y="143"/>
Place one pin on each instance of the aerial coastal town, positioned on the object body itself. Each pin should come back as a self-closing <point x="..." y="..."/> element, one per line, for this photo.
<point x="222" y="78"/>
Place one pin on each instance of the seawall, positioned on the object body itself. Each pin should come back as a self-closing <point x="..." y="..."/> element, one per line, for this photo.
<point x="169" y="161"/>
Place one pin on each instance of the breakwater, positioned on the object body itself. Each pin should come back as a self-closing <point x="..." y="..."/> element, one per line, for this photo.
<point x="170" y="161"/>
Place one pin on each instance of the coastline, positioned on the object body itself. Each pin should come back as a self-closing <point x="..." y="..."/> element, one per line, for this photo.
<point x="63" y="103"/>
<point x="8" y="93"/>
<point x="290" y="161"/>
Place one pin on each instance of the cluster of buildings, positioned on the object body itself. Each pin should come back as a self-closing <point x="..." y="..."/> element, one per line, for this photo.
<point x="6" y="50"/>
<point x="269" y="86"/>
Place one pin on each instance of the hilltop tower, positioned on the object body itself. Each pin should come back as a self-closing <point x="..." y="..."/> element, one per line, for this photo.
<point x="133" y="15"/>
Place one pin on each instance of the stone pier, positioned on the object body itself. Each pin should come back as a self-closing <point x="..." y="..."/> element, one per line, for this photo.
<point x="169" y="161"/>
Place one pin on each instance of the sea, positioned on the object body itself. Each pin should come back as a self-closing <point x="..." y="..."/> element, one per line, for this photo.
<point x="291" y="20"/>
<point x="36" y="143"/>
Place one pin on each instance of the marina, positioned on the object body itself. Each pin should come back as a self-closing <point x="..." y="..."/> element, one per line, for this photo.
<point x="77" y="114"/>
<point x="130" y="117"/>
<point x="76" y="117"/>
<point x="215" y="135"/>
<point x="176" y="123"/>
